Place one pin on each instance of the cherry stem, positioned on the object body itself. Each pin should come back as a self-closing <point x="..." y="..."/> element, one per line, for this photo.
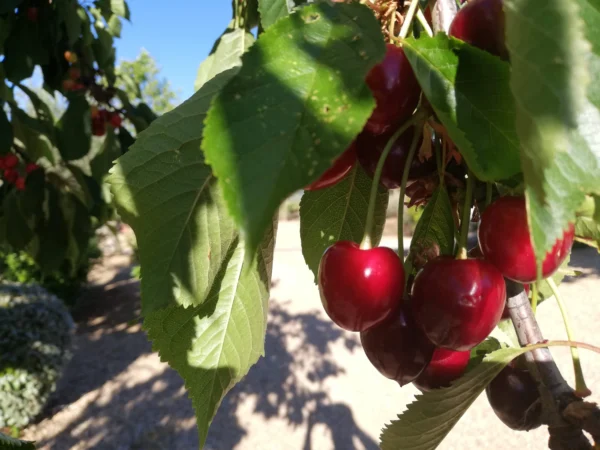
<point x="534" y="296"/>
<point x="407" y="165"/>
<point x="423" y="21"/>
<point x="581" y="388"/>
<point x="408" y="18"/>
<point x="466" y="217"/>
<point x="367" y="241"/>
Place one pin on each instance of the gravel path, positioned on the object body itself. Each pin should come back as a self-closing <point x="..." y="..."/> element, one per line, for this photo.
<point x="315" y="389"/>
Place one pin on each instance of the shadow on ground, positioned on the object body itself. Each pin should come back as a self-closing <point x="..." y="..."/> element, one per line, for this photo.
<point x="116" y="394"/>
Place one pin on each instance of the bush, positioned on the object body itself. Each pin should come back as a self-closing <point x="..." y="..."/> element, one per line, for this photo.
<point x="35" y="339"/>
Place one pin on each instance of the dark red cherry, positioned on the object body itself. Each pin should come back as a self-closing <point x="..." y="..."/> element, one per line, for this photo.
<point x="370" y="147"/>
<point x="505" y="241"/>
<point x="481" y="24"/>
<point x="338" y="170"/>
<point x="458" y="302"/>
<point x="360" y="288"/>
<point x="11" y="161"/>
<point x="397" y="347"/>
<point x="515" y="399"/>
<point x="11" y="175"/>
<point x="395" y="88"/>
<point x="445" y="367"/>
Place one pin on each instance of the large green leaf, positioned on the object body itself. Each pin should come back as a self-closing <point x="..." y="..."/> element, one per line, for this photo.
<point x="428" y="420"/>
<point x="435" y="227"/>
<point x="203" y="300"/>
<point x="470" y="93"/>
<point x="18" y="232"/>
<point x="226" y="54"/>
<point x="272" y="10"/>
<point x="338" y="213"/>
<point x="298" y="101"/>
<point x="9" y="443"/>
<point x="52" y="235"/>
<point x="554" y="83"/>
<point x="74" y="129"/>
<point x="164" y="190"/>
<point x="6" y="133"/>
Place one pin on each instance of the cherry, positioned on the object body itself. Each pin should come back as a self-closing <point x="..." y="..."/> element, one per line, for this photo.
<point x="98" y="126"/>
<point x="458" y="302"/>
<point x="360" y="288"/>
<point x="31" y="167"/>
<point x="74" y="73"/>
<point x="115" y="120"/>
<point x="515" y="399"/>
<point x="370" y="147"/>
<point x="32" y="14"/>
<point x="20" y="184"/>
<point x="505" y="241"/>
<point x="69" y="85"/>
<point x="481" y="24"/>
<point x="397" y="347"/>
<point x="338" y="170"/>
<point x="11" y="161"/>
<point x="70" y="57"/>
<point x="395" y="88"/>
<point x="445" y="367"/>
<point x="10" y="175"/>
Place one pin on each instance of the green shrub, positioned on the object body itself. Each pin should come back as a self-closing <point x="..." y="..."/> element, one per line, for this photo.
<point x="35" y="339"/>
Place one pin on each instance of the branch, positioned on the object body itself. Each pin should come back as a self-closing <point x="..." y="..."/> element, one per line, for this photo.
<point x="566" y="414"/>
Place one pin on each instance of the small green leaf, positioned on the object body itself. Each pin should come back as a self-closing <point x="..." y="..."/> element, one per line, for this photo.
<point x="53" y="235"/>
<point x="338" y="213"/>
<point x="6" y="133"/>
<point x="114" y="26"/>
<point x="428" y="420"/>
<point x="436" y="225"/>
<point x="72" y="21"/>
<point x="272" y="10"/>
<point x="120" y="8"/>
<point x="74" y="129"/>
<point x="31" y="200"/>
<point x="298" y="101"/>
<point x="42" y="108"/>
<point x="164" y="190"/>
<point x="109" y="152"/>
<point x="227" y="53"/>
<point x="10" y="443"/>
<point x="588" y="230"/>
<point x="470" y="93"/>
<point x="554" y="83"/>
<point x="18" y="233"/>
<point x="125" y="139"/>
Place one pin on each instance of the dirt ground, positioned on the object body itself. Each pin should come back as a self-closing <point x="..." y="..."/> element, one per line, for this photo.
<point x="314" y="390"/>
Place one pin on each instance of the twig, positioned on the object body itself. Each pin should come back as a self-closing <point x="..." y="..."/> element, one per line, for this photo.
<point x="565" y="413"/>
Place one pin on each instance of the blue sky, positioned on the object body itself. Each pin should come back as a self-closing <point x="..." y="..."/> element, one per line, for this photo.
<point x="177" y="33"/>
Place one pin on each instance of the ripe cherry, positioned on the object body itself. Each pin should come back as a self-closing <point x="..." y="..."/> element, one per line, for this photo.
<point x="74" y="73"/>
<point x="481" y="24"/>
<point x="10" y="175"/>
<point x="360" y="288"/>
<point x="31" y="167"/>
<point x="395" y="88"/>
<point x="445" y="367"/>
<point x="505" y="241"/>
<point x="115" y="120"/>
<point x="370" y="147"/>
<point x="11" y="161"/>
<point x="458" y="302"/>
<point x="338" y="170"/>
<point x="69" y="85"/>
<point x="515" y="399"/>
<point x="32" y="14"/>
<point x="98" y="126"/>
<point x="397" y="347"/>
<point x="20" y="184"/>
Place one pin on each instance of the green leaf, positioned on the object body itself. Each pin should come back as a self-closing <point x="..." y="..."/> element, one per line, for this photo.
<point x="20" y="51"/>
<point x="226" y="54"/>
<point x="42" y="109"/>
<point x="164" y="190"/>
<point x="436" y="226"/>
<point x="53" y="235"/>
<point x="109" y="152"/>
<point x="588" y="230"/>
<point x="298" y="101"/>
<point x="10" y="443"/>
<point x="125" y="139"/>
<point x="18" y="233"/>
<point x="428" y="420"/>
<point x="6" y="133"/>
<point x="120" y="8"/>
<point x="338" y="213"/>
<point x="72" y="21"/>
<point x="78" y="223"/>
<point x="114" y="26"/>
<point x="272" y="10"/>
<point x="74" y="129"/>
<point x="470" y="93"/>
<point x="31" y="200"/>
<point x="9" y="6"/>
<point x="554" y="83"/>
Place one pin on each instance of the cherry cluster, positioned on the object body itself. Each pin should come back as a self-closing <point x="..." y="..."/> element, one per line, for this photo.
<point x="14" y="171"/>
<point x="101" y="117"/>
<point x="422" y="329"/>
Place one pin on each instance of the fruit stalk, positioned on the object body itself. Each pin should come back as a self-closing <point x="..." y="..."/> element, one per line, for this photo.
<point x="581" y="388"/>
<point x="407" y="166"/>
<point x="423" y="21"/>
<point x="557" y="396"/>
<point x="408" y="18"/>
<point x="418" y="117"/>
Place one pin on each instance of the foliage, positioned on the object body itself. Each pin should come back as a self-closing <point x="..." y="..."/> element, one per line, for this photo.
<point x="10" y="443"/>
<point x="140" y="80"/>
<point x="35" y="339"/>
